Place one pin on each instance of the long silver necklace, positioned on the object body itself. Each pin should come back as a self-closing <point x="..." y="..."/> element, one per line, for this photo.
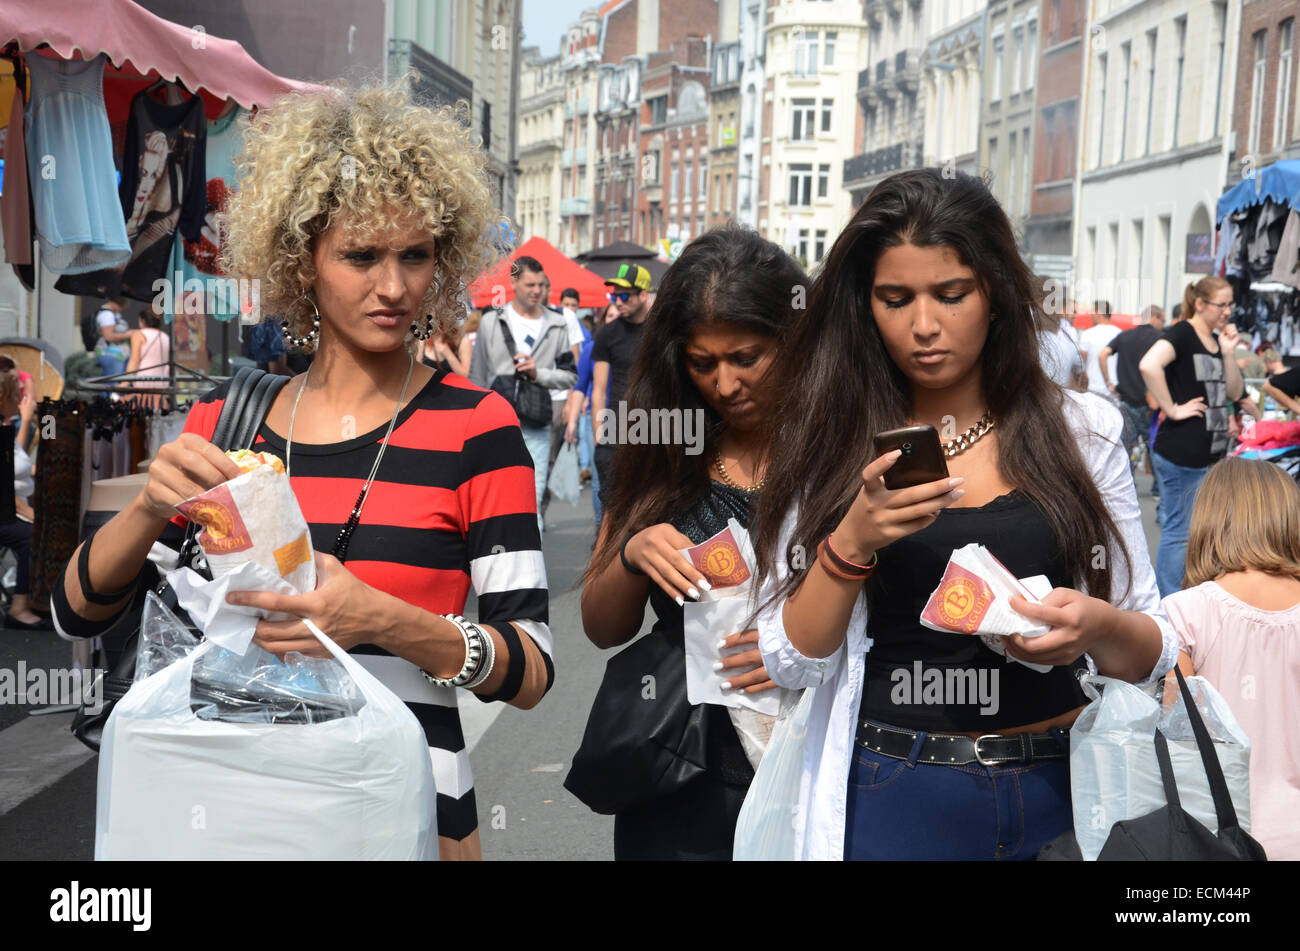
<point x="345" y="533"/>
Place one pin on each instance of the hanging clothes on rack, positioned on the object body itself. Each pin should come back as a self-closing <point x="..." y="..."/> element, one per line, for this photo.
<point x="1286" y="264"/>
<point x="15" y="200"/>
<point x="161" y="191"/>
<point x="56" y="526"/>
<point x="198" y="260"/>
<point x="78" y="216"/>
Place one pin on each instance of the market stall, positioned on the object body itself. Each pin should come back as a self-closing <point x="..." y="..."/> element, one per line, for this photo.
<point x="493" y="288"/>
<point x="118" y="146"/>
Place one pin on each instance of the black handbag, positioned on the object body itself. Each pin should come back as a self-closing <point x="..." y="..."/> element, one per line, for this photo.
<point x="644" y="739"/>
<point x="250" y="396"/>
<point x="531" y="400"/>
<point x="1169" y="833"/>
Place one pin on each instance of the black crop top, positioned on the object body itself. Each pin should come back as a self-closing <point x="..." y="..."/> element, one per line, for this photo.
<point x="922" y="679"/>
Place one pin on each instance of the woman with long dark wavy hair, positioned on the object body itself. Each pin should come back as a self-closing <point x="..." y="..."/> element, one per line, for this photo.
<point x="925" y="744"/>
<point x="718" y="322"/>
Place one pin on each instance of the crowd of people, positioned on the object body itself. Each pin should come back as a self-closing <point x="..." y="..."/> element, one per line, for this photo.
<point x="921" y="314"/>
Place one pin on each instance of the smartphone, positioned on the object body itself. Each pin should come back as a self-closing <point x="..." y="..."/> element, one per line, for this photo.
<point x="922" y="459"/>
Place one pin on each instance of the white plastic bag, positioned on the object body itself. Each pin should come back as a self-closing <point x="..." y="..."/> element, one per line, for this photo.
<point x="766" y="825"/>
<point x="175" y="786"/>
<point x="1114" y="774"/>
<point x="564" y="482"/>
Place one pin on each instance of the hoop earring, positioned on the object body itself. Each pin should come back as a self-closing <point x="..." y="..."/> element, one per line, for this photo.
<point x="312" y="337"/>
<point x="423" y="332"/>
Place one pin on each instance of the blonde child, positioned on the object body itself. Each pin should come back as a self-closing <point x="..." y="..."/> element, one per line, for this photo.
<point x="1238" y="618"/>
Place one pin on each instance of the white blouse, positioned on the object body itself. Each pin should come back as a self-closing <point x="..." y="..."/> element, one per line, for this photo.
<point x="828" y="751"/>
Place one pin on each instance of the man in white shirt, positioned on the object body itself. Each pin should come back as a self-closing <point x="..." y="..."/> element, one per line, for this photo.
<point x="1091" y="343"/>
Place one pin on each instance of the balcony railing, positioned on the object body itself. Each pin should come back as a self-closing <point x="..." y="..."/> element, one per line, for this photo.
<point x="575" y="206"/>
<point x="566" y="158"/>
<point x="891" y="158"/>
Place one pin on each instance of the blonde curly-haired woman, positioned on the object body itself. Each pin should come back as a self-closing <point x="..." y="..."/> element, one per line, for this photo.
<point x="360" y="213"/>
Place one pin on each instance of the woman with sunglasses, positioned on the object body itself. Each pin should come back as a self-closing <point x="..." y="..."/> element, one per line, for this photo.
<point x="705" y="351"/>
<point x="1193" y="374"/>
<point x="924" y="313"/>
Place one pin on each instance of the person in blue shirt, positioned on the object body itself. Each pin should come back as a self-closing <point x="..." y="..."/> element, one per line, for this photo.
<point x="575" y="409"/>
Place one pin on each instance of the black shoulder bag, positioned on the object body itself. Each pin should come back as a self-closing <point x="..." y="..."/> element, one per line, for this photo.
<point x="249" y="399"/>
<point x="531" y="400"/>
<point x="1170" y="833"/>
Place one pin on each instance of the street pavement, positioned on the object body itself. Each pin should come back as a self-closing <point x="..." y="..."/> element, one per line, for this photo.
<point x="519" y="757"/>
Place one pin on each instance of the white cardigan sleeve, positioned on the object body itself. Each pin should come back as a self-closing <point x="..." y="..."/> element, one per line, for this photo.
<point x="1098" y="426"/>
<point x="785" y="664"/>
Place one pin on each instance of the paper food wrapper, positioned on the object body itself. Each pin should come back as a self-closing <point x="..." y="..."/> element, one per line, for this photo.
<point x="726" y="561"/>
<point x="254" y="517"/>
<point x="254" y="538"/>
<point x="973" y="598"/>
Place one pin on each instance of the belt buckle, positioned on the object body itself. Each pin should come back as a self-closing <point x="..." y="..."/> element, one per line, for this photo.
<point x="987" y="762"/>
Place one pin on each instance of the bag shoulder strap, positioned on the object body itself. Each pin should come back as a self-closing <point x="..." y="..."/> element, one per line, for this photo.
<point x="247" y="401"/>
<point x="1223" y="808"/>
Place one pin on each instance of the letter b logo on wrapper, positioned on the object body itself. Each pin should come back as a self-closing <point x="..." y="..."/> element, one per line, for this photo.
<point x="960" y="602"/>
<point x="223" y="530"/>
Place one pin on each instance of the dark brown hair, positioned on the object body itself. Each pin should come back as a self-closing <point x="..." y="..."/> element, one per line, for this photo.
<point x="837" y="385"/>
<point x="729" y="276"/>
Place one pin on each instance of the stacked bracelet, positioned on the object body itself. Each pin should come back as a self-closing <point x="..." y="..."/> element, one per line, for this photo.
<point x="480" y="656"/>
<point x="839" y="566"/>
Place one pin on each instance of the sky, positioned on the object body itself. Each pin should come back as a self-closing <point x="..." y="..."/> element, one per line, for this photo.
<point x="546" y="20"/>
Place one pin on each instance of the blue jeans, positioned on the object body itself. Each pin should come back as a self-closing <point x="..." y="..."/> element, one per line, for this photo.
<point x="908" y="810"/>
<point x="1178" y="485"/>
<point x="111" y="363"/>
<point x="538" y="441"/>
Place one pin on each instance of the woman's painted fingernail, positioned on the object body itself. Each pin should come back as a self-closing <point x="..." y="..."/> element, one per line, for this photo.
<point x="722" y="644"/>
<point x="705" y="585"/>
<point x="953" y="483"/>
<point x="717" y="665"/>
<point x="232" y="599"/>
<point x="726" y="685"/>
<point x="958" y="493"/>
<point x="695" y="595"/>
<point x="680" y="603"/>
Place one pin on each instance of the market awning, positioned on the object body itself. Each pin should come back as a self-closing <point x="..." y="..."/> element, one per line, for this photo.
<point x="494" y="286"/>
<point x="140" y="46"/>
<point x="1279" y="182"/>
<point x="605" y="261"/>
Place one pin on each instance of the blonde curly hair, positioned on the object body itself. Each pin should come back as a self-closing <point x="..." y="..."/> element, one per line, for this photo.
<point x="315" y="158"/>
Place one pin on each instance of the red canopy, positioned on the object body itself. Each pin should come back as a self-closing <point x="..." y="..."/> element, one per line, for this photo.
<point x="494" y="286"/>
<point x="1122" y="321"/>
<point x="140" y="44"/>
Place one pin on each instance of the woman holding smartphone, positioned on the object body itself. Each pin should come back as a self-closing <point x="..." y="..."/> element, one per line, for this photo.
<point x="922" y="314"/>
<point x="706" y="351"/>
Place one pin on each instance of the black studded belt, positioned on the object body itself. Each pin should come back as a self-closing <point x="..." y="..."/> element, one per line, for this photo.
<point x="953" y="749"/>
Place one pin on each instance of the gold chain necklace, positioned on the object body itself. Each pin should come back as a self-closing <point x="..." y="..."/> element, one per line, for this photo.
<point x="969" y="438"/>
<point x="728" y="480"/>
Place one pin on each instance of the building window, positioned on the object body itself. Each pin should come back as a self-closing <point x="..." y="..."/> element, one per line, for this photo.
<point x="690" y="177"/>
<point x="802" y="120"/>
<point x="1031" y="73"/>
<point x="1181" y="33"/>
<point x="1126" y="53"/>
<point x="1018" y="65"/>
<point x="993" y="160"/>
<point x="1013" y="170"/>
<point x="1257" y="95"/>
<point x="672" y="176"/>
<point x="1026" y="179"/>
<point x="728" y="201"/>
<point x="802" y="248"/>
<point x="831" y="36"/>
<point x="1101" y="130"/>
<point x="1220" y="24"/>
<point x="828" y="106"/>
<point x="800" y="185"/>
<point x="1138" y="237"/>
<point x="996" y="93"/>
<point x="805" y="53"/>
<point x="823" y="180"/>
<point x="1151" y="88"/>
<point x="658" y="110"/>
<point x="1282" y="110"/>
<point x="819" y="246"/>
